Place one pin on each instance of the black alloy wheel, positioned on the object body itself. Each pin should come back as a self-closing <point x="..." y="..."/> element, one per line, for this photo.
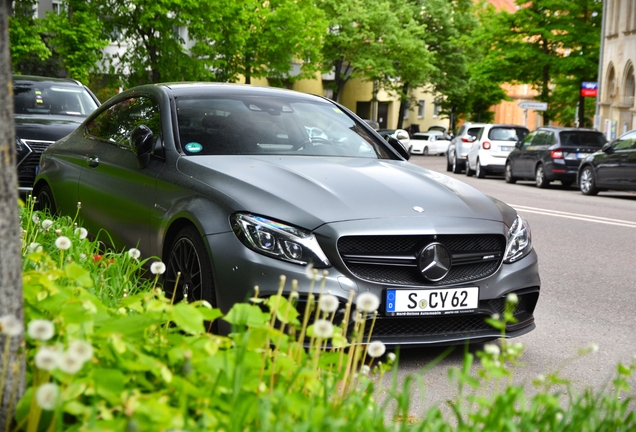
<point x="587" y="181"/>
<point x="188" y="256"/>
<point x="44" y="200"/>
<point x="539" y="177"/>
<point x="508" y="174"/>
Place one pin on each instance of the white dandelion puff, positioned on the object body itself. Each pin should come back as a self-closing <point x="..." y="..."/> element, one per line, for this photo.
<point x="81" y="233"/>
<point x="157" y="267"/>
<point x="512" y="298"/>
<point x="323" y="329"/>
<point x="82" y="256"/>
<point x="35" y="247"/>
<point x="11" y="326"/>
<point x="46" y="224"/>
<point x="310" y="272"/>
<point x="558" y="416"/>
<point x="70" y="363"/>
<point x="593" y="347"/>
<point x="391" y="357"/>
<point x="492" y="349"/>
<point x="328" y="303"/>
<point x="47" y="396"/>
<point x="81" y="349"/>
<point x="365" y="370"/>
<point x="134" y="253"/>
<point x="496" y="316"/>
<point x="35" y="218"/>
<point x="63" y="243"/>
<point x="368" y="302"/>
<point x="41" y="329"/>
<point x="376" y="349"/>
<point x="46" y="358"/>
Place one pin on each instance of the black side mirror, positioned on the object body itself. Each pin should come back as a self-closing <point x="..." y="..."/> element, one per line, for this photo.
<point x="398" y="147"/>
<point x="518" y="144"/>
<point x="142" y="139"/>
<point x="608" y="148"/>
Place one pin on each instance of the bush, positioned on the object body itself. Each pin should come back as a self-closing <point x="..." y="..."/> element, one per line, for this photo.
<point x="106" y="350"/>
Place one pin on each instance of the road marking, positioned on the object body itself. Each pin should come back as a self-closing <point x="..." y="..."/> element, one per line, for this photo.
<point x="576" y="216"/>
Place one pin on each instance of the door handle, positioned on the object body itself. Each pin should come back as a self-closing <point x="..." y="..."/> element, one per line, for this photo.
<point x="93" y="161"/>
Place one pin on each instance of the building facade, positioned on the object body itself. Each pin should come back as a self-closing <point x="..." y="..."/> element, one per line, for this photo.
<point x="616" y="111"/>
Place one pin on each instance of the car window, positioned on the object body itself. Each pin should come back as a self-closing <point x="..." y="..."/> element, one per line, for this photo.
<point x="543" y="138"/>
<point x="252" y="125"/>
<point x="527" y="141"/>
<point x="507" y="134"/>
<point x="474" y="132"/>
<point x="582" y="138"/>
<point x="626" y="142"/>
<point x="117" y="123"/>
<point x="51" y="98"/>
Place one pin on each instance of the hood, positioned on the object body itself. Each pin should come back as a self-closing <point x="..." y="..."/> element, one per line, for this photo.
<point x="311" y="191"/>
<point x="45" y="128"/>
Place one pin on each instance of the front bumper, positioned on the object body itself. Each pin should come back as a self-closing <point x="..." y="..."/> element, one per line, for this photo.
<point x="237" y="270"/>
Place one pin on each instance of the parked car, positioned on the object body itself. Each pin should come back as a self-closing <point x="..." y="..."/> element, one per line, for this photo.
<point x="400" y="134"/>
<point x="489" y="151"/>
<point x="552" y="153"/>
<point x="429" y="143"/>
<point x="46" y="109"/>
<point x="614" y="167"/>
<point x="459" y="146"/>
<point x="225" y="184"/>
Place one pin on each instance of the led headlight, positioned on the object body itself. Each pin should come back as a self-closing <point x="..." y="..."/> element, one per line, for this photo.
<point x="519" y="241"/>
<point x="279" y="240"/>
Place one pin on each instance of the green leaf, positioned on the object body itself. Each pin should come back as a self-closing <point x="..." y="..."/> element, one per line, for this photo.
<point x="109" y="384"/>
<point x="246" y="315"/>
<point x="77" y="273"/>
<point x="188" y="318"/>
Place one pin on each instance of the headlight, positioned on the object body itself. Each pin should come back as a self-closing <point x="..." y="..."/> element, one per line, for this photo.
<point x="279" y="240"/>
<point x="519" y="241"/>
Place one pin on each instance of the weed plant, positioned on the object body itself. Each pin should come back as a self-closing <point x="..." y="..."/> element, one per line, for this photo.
<point x="106" y="350"/>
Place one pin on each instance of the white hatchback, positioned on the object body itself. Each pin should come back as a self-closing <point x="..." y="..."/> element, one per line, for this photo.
<point x="425" y="143"/>
<point x="489" y="151"/>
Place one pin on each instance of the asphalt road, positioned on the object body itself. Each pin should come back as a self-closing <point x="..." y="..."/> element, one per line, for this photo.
<point x="587" y="260"/>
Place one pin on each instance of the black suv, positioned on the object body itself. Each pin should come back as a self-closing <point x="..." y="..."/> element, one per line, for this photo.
<point x="552" y="153"/>
<point x="46" y="109"/>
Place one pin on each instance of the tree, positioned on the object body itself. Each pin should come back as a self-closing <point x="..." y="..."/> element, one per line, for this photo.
<point x="545" y="41"/>
<point x="10" y="256"/>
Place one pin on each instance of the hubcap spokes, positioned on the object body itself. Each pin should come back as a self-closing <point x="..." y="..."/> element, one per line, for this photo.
<point x="184" y="259"/>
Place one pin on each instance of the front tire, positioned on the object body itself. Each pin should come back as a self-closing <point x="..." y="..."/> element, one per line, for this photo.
<point x="587" y="181"/>
<point x="539" y="177"/>
<point x="449" y="164"/>
<point x="508" y="174"/>
<point x="456" y="168"/>
<point x="189" y="256"/>
<point x="425" y="151"/>
<point x="469" y="172"/>
<point x="44" y="200"/>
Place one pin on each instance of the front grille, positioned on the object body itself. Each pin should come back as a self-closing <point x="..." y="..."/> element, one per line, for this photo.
<point x="394" y="259"/>
<point x="429" y="326"/>
<point x="26" y="169"/>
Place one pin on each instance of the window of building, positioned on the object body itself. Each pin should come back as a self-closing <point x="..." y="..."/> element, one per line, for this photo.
<point x="420" y="108"/>
<point x="436" y="109"/>
<point x="405" y="113"/>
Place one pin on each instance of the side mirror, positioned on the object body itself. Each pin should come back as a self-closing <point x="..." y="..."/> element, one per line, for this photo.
<point x="142" y="139"/>
<point x="519" y="144"/>
<point x="608" y="148"/>
<point x="398" y="147"/>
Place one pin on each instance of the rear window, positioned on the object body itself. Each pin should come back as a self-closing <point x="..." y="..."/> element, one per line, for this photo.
<point x="507" y="134"/>
<point x="580" y="138"/>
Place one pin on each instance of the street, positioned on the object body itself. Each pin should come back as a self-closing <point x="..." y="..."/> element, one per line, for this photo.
<point x="585" y="246"/>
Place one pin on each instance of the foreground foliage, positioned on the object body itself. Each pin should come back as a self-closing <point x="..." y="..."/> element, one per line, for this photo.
<point x="106" y="350"/>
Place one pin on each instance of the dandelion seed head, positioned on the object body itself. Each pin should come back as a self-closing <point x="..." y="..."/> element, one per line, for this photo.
<point x="328" y="303"/>
<point x="46" y="358"/>
<point x="46" y="224"/>
<point x="35" y="218"/>
<point x="69" y="363"/>
<point x="558" y="416"/>
<point x="323" y="329"/>
<point x="134" y="253"/>
<point x="47" y="396"/>
<point x="63" y="243"/>
<point x="492" y="349"/>
<point x="310" y="272"/>
<point x="81" y="349"/>
<point x="365" y="370"/>
<point x="391" y="357"/>
<point x="376" y="349"/>
<point x="157" y="267"/>
<point x="368" y="302"/>
<point x="496" y="316"/>
<point x="11" y="326"/>
<point x="81" y="232"/>
<point x="512" y="298"/>
<point x="41" y="329"/>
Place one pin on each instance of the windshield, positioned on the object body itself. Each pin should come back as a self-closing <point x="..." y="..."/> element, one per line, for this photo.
<point x="272" y="125"/>
<point x="51" y="98"/>
<point x="583" y="138"/>
<point x="507" y="133"/>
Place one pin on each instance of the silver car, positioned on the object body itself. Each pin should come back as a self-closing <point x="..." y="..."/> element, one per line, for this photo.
<point x="234" y="186"/>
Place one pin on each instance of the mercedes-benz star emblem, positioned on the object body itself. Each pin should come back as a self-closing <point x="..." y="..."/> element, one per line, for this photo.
<point x="435" y="262"/>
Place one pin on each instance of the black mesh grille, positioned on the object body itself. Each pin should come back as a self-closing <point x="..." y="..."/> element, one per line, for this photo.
<point x="26" y="170"/>
<point x="370" y="257"/>
<point x="434" y="326"/>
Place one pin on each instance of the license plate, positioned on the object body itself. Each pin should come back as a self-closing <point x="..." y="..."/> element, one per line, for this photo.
<point x="431" y="302"/>
<point x="505" y="148"/>
<point x="581" y="155"/>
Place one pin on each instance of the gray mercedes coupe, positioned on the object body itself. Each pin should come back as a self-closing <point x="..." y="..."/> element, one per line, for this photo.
<point x="234" y="186"/>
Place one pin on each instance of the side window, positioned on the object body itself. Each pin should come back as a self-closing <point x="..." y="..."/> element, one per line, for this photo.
<point x="527" y="141"/>
<point x="543" y="138"/>
<point x="474" y="132"/>
<point x="117" y="123"/>
<point x="627" y="142"/>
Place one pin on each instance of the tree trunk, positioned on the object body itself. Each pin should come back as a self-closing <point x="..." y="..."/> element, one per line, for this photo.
<point x="10" y="258"/>
<point x="404" y="104"/>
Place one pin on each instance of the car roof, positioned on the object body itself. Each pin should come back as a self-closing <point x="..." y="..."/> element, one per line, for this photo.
<point x="181" y="89"/>
<point x="34" y="78"/>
